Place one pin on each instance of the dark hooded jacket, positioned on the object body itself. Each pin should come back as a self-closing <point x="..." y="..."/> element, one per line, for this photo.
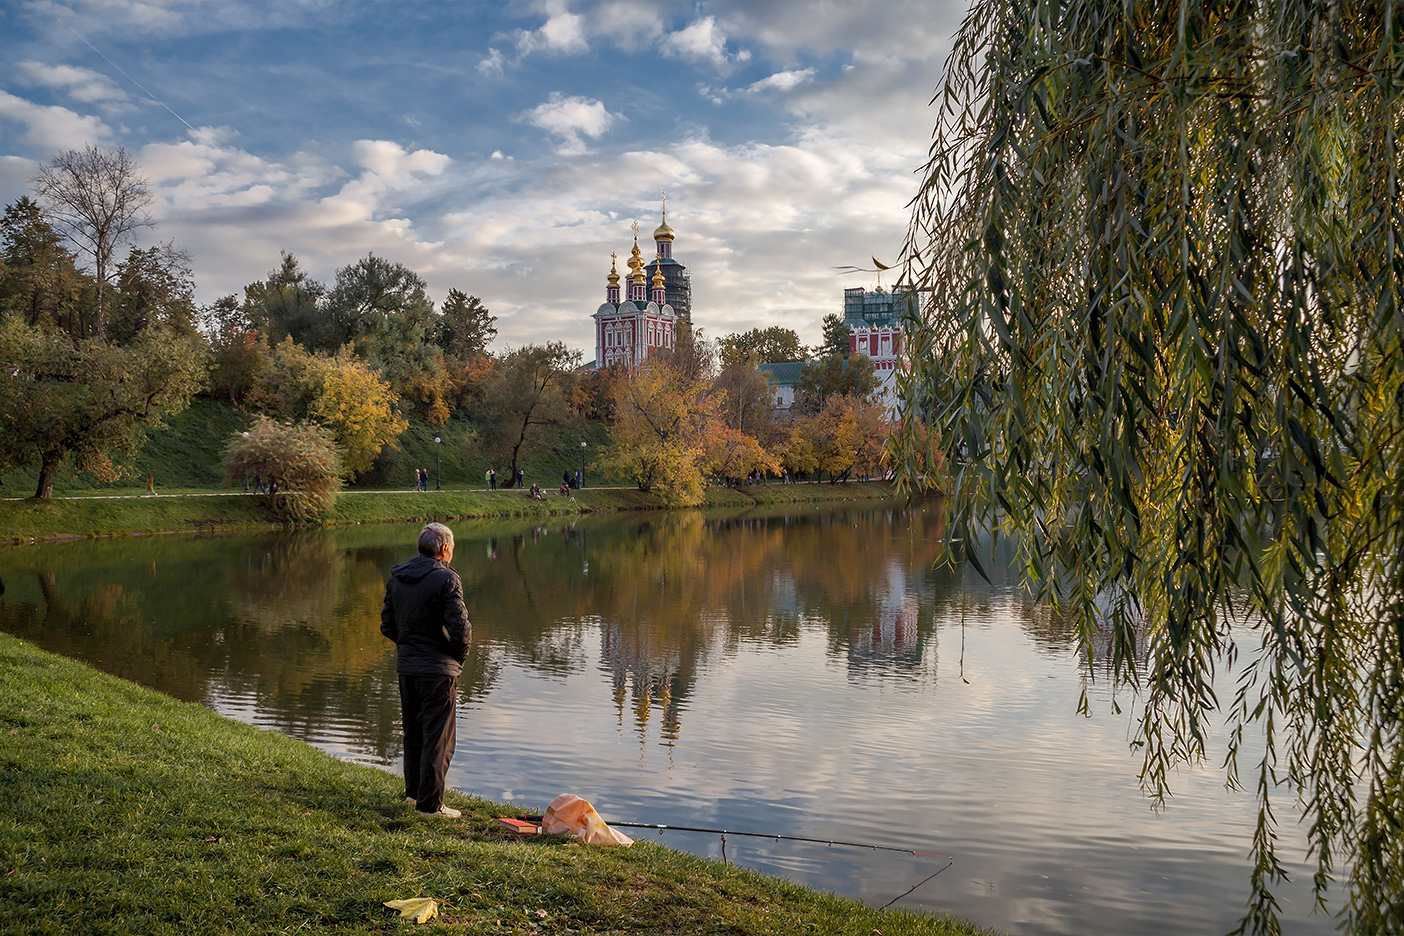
<point x="424" y="615"/>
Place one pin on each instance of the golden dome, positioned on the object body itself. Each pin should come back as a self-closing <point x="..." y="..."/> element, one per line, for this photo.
<point x="636" y="259"/>
<point x="663" y="232"/>
<point x="658" y="277"/>
<point x="613" y="272"/>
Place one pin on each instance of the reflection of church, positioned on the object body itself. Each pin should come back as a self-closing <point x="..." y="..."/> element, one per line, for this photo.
<point x="658" y="298"/>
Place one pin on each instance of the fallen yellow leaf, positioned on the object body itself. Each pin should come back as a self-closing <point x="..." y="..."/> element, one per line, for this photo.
<point x="419" y="909"/>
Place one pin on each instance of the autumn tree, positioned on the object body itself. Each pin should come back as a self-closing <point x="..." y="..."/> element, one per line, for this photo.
<point x="296" y="461"/>
<point x="527" y="393"/>
<point x="88" y="400"/>
<point x="662" y="436"/>
<point x="1163" y="350"/>
<point x="237" y="356"/>
<point x="97" y="199"/>
<point x="339" y="392"/>
<point x="747" y="399"/>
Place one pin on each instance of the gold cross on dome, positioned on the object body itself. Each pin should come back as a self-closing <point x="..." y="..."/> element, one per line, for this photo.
<point x="635" y="226"/>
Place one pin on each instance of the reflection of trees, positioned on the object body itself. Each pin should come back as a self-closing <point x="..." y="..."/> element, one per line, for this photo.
<point x="285" y="627"/>
<point x="669" y="592"/>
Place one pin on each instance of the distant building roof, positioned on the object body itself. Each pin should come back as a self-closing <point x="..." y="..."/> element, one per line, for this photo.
<point x="783" y="374"/>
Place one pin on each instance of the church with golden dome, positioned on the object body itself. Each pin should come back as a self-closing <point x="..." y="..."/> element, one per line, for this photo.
<point x="659" y="298"/>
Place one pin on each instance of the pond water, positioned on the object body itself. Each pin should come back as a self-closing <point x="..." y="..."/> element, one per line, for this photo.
<point x="807" y="673"/>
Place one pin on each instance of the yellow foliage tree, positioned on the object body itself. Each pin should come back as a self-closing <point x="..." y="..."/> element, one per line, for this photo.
<point x="848" y="435"/>
<point x="359" y="408"/>
<point x="663" y="436"/>
<point x="733" y="454"/>
<point x="339" y="392"/>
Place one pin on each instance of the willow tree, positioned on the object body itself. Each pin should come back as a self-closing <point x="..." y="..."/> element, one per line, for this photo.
<point x="1162" y="348"/>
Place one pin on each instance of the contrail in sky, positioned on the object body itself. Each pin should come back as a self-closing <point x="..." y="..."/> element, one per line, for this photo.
<point x="132" y="80"/>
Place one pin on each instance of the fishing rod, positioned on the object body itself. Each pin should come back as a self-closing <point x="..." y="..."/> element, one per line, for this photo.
<point x="788" y="838"/>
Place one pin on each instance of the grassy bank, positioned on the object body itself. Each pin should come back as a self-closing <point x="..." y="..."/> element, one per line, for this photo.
<point x="124" y="811"/>
<point x="22" y="520"/>
<point x="188" y="454"/>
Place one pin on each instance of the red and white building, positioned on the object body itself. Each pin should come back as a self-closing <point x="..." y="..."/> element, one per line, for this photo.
<point x="629" y="328"/>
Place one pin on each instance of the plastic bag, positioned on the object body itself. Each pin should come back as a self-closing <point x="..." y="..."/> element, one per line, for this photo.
<point x="568" y="814"/>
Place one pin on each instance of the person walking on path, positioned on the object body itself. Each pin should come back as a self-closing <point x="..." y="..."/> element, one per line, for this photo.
<point x="150" y="484"/>
<point x="425" y="617"/>
<point x="491" y="477"/>
<point x="521" y="478"/>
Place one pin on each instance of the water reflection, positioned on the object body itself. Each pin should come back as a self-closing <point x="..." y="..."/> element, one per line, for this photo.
<point x="810" y="672"/>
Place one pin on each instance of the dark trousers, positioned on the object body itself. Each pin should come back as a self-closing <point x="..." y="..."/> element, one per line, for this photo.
<point x="427" y="712"/>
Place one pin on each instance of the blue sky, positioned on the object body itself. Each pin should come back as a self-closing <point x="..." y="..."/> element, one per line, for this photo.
<point x="503" y="149"/>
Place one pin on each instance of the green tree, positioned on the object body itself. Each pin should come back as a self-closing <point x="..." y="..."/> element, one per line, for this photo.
<point x="464" y="327"/>
<point x="297" y="461"/>
<point x="154" y="287"/>
<point x="288" y="305"/>
<point x="768" y="345"/>
<point x="835" y="337"/>
<point x="238" y="358"/>
<point x="97" y="199"/>
<point x="834" y="376"/>
<point x="88" y="400"/>
<point x="380" y="308"/>
<point x="1164" y="349"/>
<point x="528" y="391"/>
<point x="40" y="281"/>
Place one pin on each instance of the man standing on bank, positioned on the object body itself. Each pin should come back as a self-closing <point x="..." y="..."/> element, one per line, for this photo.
<point x="424" y="615"/>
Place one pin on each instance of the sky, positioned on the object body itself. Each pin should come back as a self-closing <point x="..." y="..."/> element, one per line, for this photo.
<point x="504" y="149"/>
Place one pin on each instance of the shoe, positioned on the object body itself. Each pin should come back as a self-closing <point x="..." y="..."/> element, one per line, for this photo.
<point x="411" y="800"/>
<point x="445" y="812"/>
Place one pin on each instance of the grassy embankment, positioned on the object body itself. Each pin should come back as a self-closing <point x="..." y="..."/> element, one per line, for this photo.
<point x="125" y="811"/>
<point x="30" y="519"/>
<point x="185" y="458"/>
<point x="188" y="455"/>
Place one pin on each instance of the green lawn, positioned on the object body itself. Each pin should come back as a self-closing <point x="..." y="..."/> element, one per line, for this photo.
<point x="124" y="811"/>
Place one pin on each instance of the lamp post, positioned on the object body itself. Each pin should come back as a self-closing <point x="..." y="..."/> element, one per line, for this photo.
<point x="246" y="473"/>
<point x="438" y="474"/>
<point x="582" y="466"/>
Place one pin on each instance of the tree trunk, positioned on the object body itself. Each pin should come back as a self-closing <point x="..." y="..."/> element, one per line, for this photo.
<point x="47" y="469"/>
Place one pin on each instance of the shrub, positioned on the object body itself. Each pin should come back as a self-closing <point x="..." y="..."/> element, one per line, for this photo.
<point x="297" y="461"/>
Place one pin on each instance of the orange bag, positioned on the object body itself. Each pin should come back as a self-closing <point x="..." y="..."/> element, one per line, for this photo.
<point x="568" y="814"/>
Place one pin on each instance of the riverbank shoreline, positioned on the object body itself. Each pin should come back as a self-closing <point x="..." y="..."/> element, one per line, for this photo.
<point x="71" y="518"/>
<point x="128" y="811"/>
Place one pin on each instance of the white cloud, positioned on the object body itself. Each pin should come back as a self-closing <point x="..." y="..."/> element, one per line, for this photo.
<point x="783" y="81"/>
<point x="570" y="118"/>
<point x="81" y="84"/>
<point x="48" y="127"/>
<point x="701" y="42"/>
<point x="564" y="32"/>
<point x="493" y="63"/>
